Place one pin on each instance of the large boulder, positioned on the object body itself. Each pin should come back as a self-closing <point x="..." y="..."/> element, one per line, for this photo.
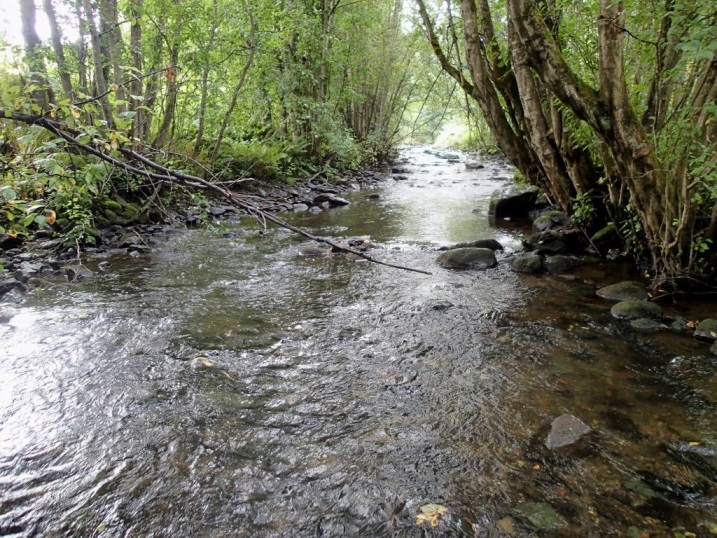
<point x="629" y="310"/>
<point x="527" y="263"/>
<point x="565" y="430"/>
<point x="468" y="258"/>
<point x="624" y="291"/>
<point x="514" y="201"/>
<point x="707" y="330"/>
<point x="492" y="244"/>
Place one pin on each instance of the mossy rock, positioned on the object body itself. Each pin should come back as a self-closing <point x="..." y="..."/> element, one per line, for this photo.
<point x="528" y="263"/>
<point x="629" y="310"/>
<point x="624" y="291"/>
<point x="468" y="258"/>
<point x="112" y="205"/>
<point x="549" y="220"/>
<point x="707" y="330"/>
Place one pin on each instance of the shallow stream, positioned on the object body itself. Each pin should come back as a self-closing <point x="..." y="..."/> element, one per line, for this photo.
<point x="226" y="385"/>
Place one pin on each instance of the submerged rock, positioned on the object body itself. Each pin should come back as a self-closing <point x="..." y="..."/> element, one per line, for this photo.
<point x="629" y="310"/>
<point x="624" y="291"/>
<point x="707" y="330"/>
<point x="527" y="263"/>
<point x="539" y="515"/>
<point x="468" y="258"/>
<point x="646" y="325"/>
<point x="75" y="273"/>
<point x="565" y="430"/>
<point x="513" y="201"/>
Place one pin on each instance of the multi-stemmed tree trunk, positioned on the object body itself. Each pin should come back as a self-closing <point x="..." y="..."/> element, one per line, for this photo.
<point x="530" y="100"/>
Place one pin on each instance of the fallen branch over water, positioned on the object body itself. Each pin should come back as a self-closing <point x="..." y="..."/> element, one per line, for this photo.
<point x="168" y="175"/>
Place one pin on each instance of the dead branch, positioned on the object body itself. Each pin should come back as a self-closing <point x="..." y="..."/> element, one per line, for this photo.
<point x="164" y="174"/>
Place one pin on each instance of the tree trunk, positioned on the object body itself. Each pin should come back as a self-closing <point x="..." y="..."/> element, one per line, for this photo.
<point x="135" y="86"/>
<point x="238" y="87"/>
<point x="41" y="95"/>
<point x="205" y="80"/>
<point x="100" y="80"/>
<point x="56" y="36"/>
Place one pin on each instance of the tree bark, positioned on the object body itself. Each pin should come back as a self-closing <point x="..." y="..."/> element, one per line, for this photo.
<point x="56" y="36"/>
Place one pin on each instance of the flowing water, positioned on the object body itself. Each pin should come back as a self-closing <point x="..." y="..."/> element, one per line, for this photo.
<point x="225" y="385"/>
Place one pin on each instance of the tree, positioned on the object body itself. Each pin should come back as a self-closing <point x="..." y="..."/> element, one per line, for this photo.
<point x="575" y="122"/>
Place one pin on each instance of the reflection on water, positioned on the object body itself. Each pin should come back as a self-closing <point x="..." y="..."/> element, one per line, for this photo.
<point x="230" y="387"/>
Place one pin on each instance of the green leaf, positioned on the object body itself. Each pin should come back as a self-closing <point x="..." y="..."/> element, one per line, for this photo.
<point x="9" y="194"/>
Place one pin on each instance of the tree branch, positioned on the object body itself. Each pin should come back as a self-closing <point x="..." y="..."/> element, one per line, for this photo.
<point x="162" y="173"/>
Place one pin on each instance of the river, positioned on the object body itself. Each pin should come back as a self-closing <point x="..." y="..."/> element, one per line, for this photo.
<point x="226" y="385"/>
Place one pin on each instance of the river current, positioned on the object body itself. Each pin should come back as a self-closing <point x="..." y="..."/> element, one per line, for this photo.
<point x="226" y="385"/>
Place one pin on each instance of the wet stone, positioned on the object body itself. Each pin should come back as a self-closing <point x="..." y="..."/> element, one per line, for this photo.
<point x="300" y="207"/>
<point x="624" y="291"/>
<point x="539" y="515"/>
<point x="706" y="330"/>
<point x="629" y="310"/>
<point x="513" y="201"/>
<point x="565" y="430"/>
<point x="646" y="325"/>
<point x="528" y="263"/>
<point x="548" y="243"/>
<point x="468" y="258"/>
<point x="491" y="244"/>
<point x="75" y="273"/>
<point x="550" y="220"/>
<point x="713" y="349"/>
<point x="558" y="264"/>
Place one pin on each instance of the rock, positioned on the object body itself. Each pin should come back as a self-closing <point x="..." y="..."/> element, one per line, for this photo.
<point x="539" y="515"/>
<point x="678" y="324"/>
<point x="713" y="349"/>
<point x="104" y="266"/>
<point x="316" y="210"/>
<point x="548" y="243"/>
<point x="646" y="325"/>
<point x="400" y="178"/>
<point x="130" y="240"/>
<point x="558" y="264"/>
<point x="331" y="199"/>
<point x="8" y="242"/>
<point x="474" y="166"/>
<point x="624" y="291"/>
<point x="491" y="244"/>
<point x="513" y="201"/>
<point x="314" y="252"/>
<point x="399" y="170"/>
<point x="14" y="295"/>
<point x="565" y="430"/>
<point x="527" y="263"/>
<point x="9" y="285"/>
<point x="629" y="310"/>
<point x="372" y="196"/>
<point x="75" y="273"/>
<point x="300" y="207"/>
<point x="707" y="330"/>
<point x="549" y="220"/>
<point x="468" y="258"/>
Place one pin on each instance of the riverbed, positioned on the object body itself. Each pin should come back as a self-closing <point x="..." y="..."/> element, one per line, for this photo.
<point x="225" y="384"/>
